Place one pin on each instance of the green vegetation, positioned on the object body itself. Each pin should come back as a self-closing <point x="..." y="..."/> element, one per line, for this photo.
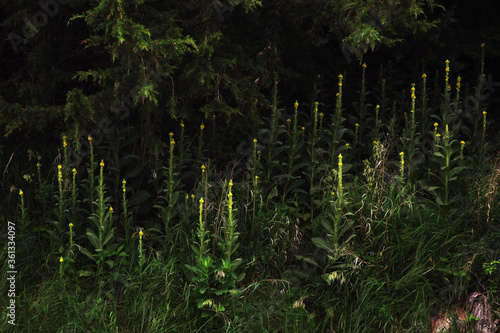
<point x="314" y="245"/>
<point x="169" y="191"/>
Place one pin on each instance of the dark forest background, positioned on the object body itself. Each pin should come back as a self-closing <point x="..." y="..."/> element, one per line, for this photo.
<point x="219" y="56"/>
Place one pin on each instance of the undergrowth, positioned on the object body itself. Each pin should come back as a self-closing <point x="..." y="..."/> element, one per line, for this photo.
<point x="370" y="218"/>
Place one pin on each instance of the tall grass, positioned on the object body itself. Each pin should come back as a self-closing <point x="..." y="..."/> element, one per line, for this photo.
<point x="315" y="233"/>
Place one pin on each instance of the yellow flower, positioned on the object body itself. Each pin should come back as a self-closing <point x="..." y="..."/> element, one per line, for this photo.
<point x="357" y="125"/>
<point x="38" y="165"/>
<point x="259" y="152"/>
<point x="202" y="127"/>
<point x="375" y="142"/>
<point x="59" y="167"/>
<point x="289" y="120"/>
<point x="172" y="142"/>
<point x="321" y="114"/>
<point x="296" y="104"/>
<point x="124" y="182"/>
<point x="340" y="76"/>
<point x="462" y="142"/>
<point x="424" y="76"/>
<point x="192" y="196"/>
<point x="61" y="259"/>
<point x="102" y="163"/>
<point x="401" y="154"/>
<point x="71" y="225"/>
<point x="230" y="194"/>
<point x="89" y="138"/>
<point x="171" y="134"/>
<point x="141" y="233"/>
<point x="201" y="200"/>
<point x="364" y="66"/>
<point x="231" y="182"/>
<point x="347" y="144"/>
<point x="377" y="107"/>
<point x="256" y="177"/>
<point x="482" y="45"/>
<point x="447" y="61"/>
<point x="21" y="193"/>
<point x="438" y="135"/>
<point x="484" y="113"/>
<point x="254" y="140"/>
<point x="435" y="124"/>
<point x="111" y="209"/>
<point x="303" y="128"/>
<point x="74" y="171"/>
<point x="203" y="168"/>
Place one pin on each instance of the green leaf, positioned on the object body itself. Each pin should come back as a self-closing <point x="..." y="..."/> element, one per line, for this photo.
<point x="240" y="277"/>
<point x="87" y="253"/>
<point x="85" y="273"/>
<point x="272" y="194"/>
<point x="440" y="202"/>
<point x="322" y="243"/>
<point x="94" y="240"/>
<point x="347" y="225"/>
<point x="294" y="185"/>
<point x="436" y="153"/>
<point x="108" y="236"/>
<point x="135" y="171"/>
<point x="138" y="198"/>
<point x="221" y="292"/>
<point x="308" y="260"/>
<point x="200" y="303"/>
<point x="455" y="170"/>
<point x="297" y="167"/>
<point x="327" y="225"/>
